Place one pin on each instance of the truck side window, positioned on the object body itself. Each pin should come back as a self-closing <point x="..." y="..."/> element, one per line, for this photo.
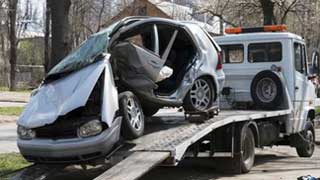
<point x="232" y="53"/>
<point x="299" y="58"/>
<point x="265" y="52"/>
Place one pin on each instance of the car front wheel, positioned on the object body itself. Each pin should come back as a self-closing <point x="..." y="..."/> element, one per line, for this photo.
<point x="133" y="118"/>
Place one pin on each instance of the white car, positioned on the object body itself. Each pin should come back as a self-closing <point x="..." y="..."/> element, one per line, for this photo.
<point x="109" y="83"/>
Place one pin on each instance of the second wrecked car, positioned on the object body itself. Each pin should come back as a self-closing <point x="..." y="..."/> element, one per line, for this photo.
<point x="115" y="78"/>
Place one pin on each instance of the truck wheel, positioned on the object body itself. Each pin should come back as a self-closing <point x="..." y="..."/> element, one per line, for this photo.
<point x="133" y="118"/>
<point x="201" y="95"/>
<point x="247" y="152"/>
<point x="150" y="110"/>
<point x="266" y="90"/>
<point x="308" y="136"/>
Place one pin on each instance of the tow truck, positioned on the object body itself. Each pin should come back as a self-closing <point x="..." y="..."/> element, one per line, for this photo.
<point x="243" y="123"/>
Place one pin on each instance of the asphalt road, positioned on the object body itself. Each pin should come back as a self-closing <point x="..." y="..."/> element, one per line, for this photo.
<point x="8" y="137"/>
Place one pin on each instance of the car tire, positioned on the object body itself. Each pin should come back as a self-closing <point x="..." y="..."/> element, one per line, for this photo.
<point x="133" y="118"/>
<point x="201" y="95"/>
<point x="266" y="90"/>
<point x="247" y="149"/>
<point x="307" y="149"/>
<point x="150" y="110"/>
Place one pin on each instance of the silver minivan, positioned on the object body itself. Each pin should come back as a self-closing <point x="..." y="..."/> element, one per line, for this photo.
<point x="105" y="88"/>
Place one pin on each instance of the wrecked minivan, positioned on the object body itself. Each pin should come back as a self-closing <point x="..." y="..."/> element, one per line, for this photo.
<point x="112" y="81"/>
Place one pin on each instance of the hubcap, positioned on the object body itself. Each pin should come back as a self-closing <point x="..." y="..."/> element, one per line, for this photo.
<point x="200" y="94"/>
<point x="266" y="90"/>
<point x="134" y="114"/>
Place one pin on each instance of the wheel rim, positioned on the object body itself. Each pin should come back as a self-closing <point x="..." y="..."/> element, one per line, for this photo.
<point x="310" y="139"/>
<point x="266" y="90"/>
<point x="200" y="94"/>
<point x="134" y="114"/>
<point x="247" y="150"/>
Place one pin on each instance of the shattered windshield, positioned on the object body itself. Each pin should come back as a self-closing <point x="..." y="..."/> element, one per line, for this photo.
<point x="86" y="54"/>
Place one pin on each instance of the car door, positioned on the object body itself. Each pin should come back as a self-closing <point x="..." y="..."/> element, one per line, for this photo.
<point x="301" y="81"/>
<point x="137" y="49"/>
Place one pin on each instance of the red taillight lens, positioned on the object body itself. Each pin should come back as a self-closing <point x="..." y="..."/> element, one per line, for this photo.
<point x="219" y="64"/>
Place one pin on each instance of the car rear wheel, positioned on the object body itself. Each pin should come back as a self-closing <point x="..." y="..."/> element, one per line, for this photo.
<point x="133" y="117"/>
<point x="201" y="95"/>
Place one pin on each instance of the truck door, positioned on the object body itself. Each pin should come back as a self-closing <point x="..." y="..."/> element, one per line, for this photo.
<point x="301" y="82"/>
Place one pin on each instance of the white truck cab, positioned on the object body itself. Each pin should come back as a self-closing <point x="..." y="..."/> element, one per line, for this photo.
<point x="267" y="68"/>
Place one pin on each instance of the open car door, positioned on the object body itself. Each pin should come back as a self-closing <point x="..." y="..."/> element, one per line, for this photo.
<point x="136" y="57"/>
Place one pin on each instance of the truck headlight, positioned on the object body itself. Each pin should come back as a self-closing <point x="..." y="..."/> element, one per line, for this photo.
<point x="91" y="128"/>
<point x="25" y="133"/>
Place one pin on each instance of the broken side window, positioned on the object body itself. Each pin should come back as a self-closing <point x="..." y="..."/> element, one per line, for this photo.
<point x="142" y="36"/>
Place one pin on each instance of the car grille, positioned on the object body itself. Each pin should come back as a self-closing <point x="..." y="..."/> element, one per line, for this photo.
<point x="63" y="128"/>
<point x="56" y="133"/>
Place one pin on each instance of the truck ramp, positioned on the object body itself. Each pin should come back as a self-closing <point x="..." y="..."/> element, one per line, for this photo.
<point x="167" y="137"/>
<point x="134" y="166"/>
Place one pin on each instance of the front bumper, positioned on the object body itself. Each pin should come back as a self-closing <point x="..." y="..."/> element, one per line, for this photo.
<point x="71" y="150"/>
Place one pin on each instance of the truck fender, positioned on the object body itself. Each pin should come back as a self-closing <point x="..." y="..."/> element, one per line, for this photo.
<point x="254" y="127"/>
<point x="308" y="111"/>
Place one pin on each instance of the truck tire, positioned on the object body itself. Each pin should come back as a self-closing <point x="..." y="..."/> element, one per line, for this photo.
<point x="247" y="149"/>
<point x="307" y="149"/>
<point x="266" y="90"/>
<point x="201" y="95"/>
<point x="133" y="118"/>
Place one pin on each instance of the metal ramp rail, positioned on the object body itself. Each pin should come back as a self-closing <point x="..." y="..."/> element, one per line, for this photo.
<point x="167" y="138"/>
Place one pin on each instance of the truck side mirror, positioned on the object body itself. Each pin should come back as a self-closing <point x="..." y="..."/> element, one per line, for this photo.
<point x="315" y="64"/>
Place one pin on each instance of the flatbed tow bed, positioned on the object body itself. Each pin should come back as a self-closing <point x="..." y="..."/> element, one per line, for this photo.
<point x="168" y="136"/>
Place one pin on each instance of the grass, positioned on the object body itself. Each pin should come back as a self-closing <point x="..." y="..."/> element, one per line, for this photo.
<point x="4" y="88"/>
<point x="11" y="111"/>
<point x="317" y="110"/>
<point x="11" y="162"/>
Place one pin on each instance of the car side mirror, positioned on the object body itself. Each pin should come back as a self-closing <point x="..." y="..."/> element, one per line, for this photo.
<point x="315" y="64"/>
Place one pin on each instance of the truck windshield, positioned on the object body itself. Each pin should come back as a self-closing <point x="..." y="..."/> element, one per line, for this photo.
<point x="85" y="55"/>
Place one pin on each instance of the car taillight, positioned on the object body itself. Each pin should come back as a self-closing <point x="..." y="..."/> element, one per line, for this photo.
<point x="219" y="64"/>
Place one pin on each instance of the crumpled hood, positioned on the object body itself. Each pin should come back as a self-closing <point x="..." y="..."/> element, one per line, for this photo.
<point x="61" y="96"/>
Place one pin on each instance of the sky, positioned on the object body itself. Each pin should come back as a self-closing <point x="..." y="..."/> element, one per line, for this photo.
<point x="36" y="4"/>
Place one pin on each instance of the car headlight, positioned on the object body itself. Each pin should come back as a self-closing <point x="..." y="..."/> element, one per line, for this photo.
<point x="91" y="128"/>
<point x="26" y="133"/>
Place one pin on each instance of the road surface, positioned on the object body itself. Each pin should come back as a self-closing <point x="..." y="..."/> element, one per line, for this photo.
<point x="277" y="163"/>
<point x="8" y="137"/>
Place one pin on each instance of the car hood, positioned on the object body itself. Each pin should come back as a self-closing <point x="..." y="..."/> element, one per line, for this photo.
<point x="61" y="96"/>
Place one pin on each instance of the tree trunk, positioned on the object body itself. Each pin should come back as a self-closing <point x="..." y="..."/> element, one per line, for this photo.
<point x="268" y="12"/>
<point x="13" y="42"/>
<point x="59" y="30"/>
<point x="47" y="37"/>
